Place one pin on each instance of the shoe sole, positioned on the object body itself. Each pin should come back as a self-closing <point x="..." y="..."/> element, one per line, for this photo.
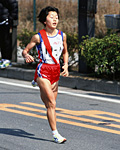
<point x="5" y="66"/>
<point x="63" y="141"/>
<point x="60" y="142"/>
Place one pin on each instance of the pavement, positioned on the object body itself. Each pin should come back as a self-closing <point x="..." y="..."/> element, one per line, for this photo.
<point x="74" y="80"/>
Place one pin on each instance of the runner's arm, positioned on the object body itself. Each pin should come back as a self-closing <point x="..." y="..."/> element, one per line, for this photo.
<point x="35" y="39"/>
<point x="65" y="56"/>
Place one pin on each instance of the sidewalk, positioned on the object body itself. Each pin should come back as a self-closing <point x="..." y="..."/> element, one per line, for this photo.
<point x="75" y="80"/>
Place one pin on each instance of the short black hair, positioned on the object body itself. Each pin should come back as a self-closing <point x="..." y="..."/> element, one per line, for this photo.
<point x="44" y="12"/>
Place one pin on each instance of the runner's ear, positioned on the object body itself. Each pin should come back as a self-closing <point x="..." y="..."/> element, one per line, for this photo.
<point x="45" y="22"/>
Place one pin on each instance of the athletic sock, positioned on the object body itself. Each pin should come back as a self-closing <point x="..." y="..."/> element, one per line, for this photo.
<point x="55" y="132"/>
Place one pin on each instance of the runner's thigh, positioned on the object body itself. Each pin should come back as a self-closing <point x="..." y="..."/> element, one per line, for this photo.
<point x="46" y="91"/>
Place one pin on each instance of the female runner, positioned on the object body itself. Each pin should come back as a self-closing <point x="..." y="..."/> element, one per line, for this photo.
<point x="47" y="72"/>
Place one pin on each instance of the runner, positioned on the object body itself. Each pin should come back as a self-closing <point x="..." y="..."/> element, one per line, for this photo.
<point x="48" y="70"/>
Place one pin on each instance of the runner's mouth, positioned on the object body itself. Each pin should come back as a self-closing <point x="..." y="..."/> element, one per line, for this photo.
<point x="54" y="24"/>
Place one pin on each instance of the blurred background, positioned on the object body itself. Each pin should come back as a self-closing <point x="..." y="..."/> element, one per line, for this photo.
<point x="68" y="14"/>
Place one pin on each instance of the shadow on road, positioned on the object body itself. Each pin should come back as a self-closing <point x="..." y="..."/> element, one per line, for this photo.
<point x="20" y="133"/>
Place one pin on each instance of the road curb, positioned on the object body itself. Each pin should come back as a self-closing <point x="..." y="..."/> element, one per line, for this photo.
<point x="82" y="83"/>
<point x="97" y="85"/>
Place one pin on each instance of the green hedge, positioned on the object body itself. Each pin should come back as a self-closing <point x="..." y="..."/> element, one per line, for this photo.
<point x="102" y="54"/>
<point x="24" y="37"/>
<point x="72" y="44"/>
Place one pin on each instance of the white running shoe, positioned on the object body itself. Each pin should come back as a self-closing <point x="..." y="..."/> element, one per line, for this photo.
<point x="5" y="63"/>
<point x="59" y="139"/>
<point x="1" y="62"/>
<point x="34" y="84"/>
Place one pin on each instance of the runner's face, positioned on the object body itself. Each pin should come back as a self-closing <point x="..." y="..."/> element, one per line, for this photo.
<point x="52" y="20"/>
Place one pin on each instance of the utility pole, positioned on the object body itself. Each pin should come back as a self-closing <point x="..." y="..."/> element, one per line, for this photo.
<point x="82" y="30"/>
<point x="86" y="26"/>
<point x="34" y="14"/>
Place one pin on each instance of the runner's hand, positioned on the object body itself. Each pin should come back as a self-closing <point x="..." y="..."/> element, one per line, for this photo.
<point x="65" y="70"/>
<point x="29" y="58"/>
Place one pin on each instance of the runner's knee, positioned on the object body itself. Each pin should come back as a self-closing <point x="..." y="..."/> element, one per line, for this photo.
<point x="51" y="104"/>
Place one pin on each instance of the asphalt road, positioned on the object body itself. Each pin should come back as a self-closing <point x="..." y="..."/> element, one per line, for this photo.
<point x="89" y="120"/>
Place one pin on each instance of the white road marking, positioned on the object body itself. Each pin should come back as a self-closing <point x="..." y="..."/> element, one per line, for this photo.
<point x="68" y="93"/>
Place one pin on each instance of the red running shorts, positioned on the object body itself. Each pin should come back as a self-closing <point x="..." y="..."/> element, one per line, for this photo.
<point x="48" y="71"/>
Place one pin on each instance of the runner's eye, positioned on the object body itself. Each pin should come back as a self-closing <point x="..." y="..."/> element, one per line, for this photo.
<point x="51" y="16"/>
